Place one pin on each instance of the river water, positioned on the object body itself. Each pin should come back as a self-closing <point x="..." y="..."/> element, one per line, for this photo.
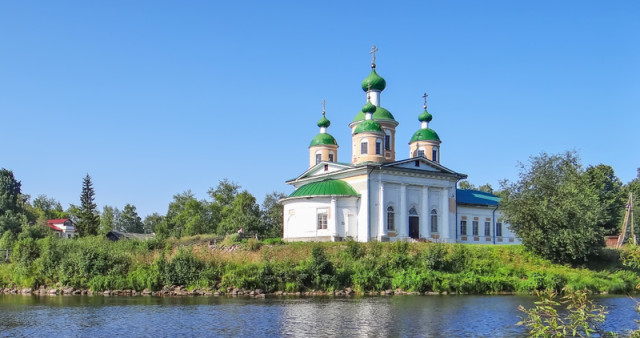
<point x="396" y="316"/>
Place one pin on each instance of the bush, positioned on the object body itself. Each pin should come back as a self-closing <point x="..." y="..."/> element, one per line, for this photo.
<point x="8" y="240"/>
<point x="183" y="269"/>
<point x="253" y="244"/>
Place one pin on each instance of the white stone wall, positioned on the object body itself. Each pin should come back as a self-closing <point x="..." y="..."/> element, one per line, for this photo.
<point x="300" y="218"/>
<point x="404" y="192"/>
<point x="483" y="214"/>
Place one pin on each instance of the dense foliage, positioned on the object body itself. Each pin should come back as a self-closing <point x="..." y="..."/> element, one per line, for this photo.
<point x="96" y="263"/>
<point x="12" y="215"/>
<point x="556" y="208"/>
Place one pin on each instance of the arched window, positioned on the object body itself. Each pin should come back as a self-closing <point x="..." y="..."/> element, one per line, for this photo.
<point x="434" y="220"/>
<point x="413" y="212"/>
<point x="387" y="139"/>
<point x="391" y="226"/>
<point x="434" y="154"/>
<point x="364" y="147"/>
<point x="378" y="146"/>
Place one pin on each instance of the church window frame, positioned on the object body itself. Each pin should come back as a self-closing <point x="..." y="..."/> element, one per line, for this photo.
<point x="364" y="147"/>
<point x="331" y="157"/>
<point x="378" y="146"/>
<point x="391" y="224"/>
<point x="463" y="227"/>
<point x="487" y="228"/>
<point x="434" y="154"/>
<point x="420" y="153"/>
<point x="322" y="219"/>
<point x="387" y="140"/>
<point x="318" y="157"/>
<point x="434" y="220"/>
<point x="474" y="226"/>
<point x="499" y="228"/>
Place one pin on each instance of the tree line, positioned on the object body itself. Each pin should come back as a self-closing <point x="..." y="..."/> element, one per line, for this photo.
<point x="562" y="211"/>
<point x="228" y="208"/>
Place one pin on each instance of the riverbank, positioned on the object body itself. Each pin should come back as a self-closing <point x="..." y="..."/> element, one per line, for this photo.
<point x="195" y="265"/>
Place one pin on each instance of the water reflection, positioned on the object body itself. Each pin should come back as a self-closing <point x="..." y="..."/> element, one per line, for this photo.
<point x="398" y="316"/>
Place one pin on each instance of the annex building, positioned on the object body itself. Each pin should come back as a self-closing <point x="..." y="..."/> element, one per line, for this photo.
<point x="375" y="197"/>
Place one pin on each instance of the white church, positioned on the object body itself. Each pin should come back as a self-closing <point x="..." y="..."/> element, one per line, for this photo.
<point x="378" y="198"/>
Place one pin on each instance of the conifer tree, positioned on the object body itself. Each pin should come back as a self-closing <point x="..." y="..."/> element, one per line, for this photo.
<point x="12" y="215"/>
<point x="88" y="218"/>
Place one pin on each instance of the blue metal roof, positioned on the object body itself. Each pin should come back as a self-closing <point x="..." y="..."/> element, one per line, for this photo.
<point x="476" y="197"/>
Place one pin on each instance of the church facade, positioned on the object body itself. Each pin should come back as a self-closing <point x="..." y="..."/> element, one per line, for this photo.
<point x="375" y="197"/>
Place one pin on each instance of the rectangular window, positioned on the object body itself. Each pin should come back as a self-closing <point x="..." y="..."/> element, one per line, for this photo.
<point x="475" y="228"/>
<point x="318" y="158"/>
<point x="434" y="223"/>
<point x="499" y="229"/>
<point x="463" y="228"/>
<point x="434" y="155"/>
<point x="390" y="221"/>
<point x="322" y="220"/>
<point x="420" y="153"/>
<point x="378" y="148"/>
<point x="487" y="228"/>
<point x="387" y="142"/>
<point x="330" y="157"/>
<point x="363" y="148"/>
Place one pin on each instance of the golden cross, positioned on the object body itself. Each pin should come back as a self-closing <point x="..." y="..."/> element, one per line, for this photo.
<point x="373" y="53"/>
<point x="323" y="103"/>
<point x="425" y="100"/>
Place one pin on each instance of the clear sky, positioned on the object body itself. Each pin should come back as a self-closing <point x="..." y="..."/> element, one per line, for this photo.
<point x="152" y="98"/>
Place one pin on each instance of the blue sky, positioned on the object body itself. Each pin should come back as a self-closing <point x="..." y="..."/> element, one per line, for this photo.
<point x="152" y="98"/>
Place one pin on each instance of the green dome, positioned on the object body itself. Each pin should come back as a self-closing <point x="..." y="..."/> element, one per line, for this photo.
<point x="425" y="135"/>
<point x="324" y="122"/>
<point x="375" y="80"/>
<point x="323" y="139"/>
<point x="325" y="188"/>
<point x="368" y="126"/>
<point x="380" y="114"/>
<point x="425" y="116"/>
<point x="369" y="107"/>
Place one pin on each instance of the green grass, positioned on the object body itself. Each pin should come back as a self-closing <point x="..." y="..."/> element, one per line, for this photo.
<point x="272" y="265"/>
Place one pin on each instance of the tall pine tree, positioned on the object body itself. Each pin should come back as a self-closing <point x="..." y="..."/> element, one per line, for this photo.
<point x="88" y="218"/>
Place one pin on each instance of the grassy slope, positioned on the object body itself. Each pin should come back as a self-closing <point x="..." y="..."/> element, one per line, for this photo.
<point x="424" y="267"/>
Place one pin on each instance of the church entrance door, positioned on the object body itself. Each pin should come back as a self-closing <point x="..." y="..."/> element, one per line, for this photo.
<point x="414" y="227"/>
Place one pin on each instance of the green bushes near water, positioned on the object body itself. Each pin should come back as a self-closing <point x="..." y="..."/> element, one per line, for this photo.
<point x="95" y="263"/>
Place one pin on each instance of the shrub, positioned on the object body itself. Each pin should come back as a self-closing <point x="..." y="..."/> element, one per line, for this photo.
<point x="183" y="269"/>
<point x="231" y="239"/>
<point x="8" y="240"/>
<point x="253" y="244"/>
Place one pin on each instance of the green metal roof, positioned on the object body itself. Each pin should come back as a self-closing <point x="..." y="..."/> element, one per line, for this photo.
<point x="425" y="135"/>
<point x="325" y="188"/>
<point x="425" y="116"/>
<point x="368" y="108"/>
<point x="476" y="197"/>
<point x="368" y="126"/>
<point x="324" y="122"/>
<point x="323" y="139"/>
<point x="375" y="80"/>
<point x="379" y="114"/>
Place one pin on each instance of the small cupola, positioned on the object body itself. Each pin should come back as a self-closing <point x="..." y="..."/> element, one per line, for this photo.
<point x="425" y="142"/>
<point x="367" y="138"/>
<point x="323" y="147"/>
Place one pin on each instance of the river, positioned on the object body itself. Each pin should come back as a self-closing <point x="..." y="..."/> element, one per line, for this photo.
<point x="395" y="316"/>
